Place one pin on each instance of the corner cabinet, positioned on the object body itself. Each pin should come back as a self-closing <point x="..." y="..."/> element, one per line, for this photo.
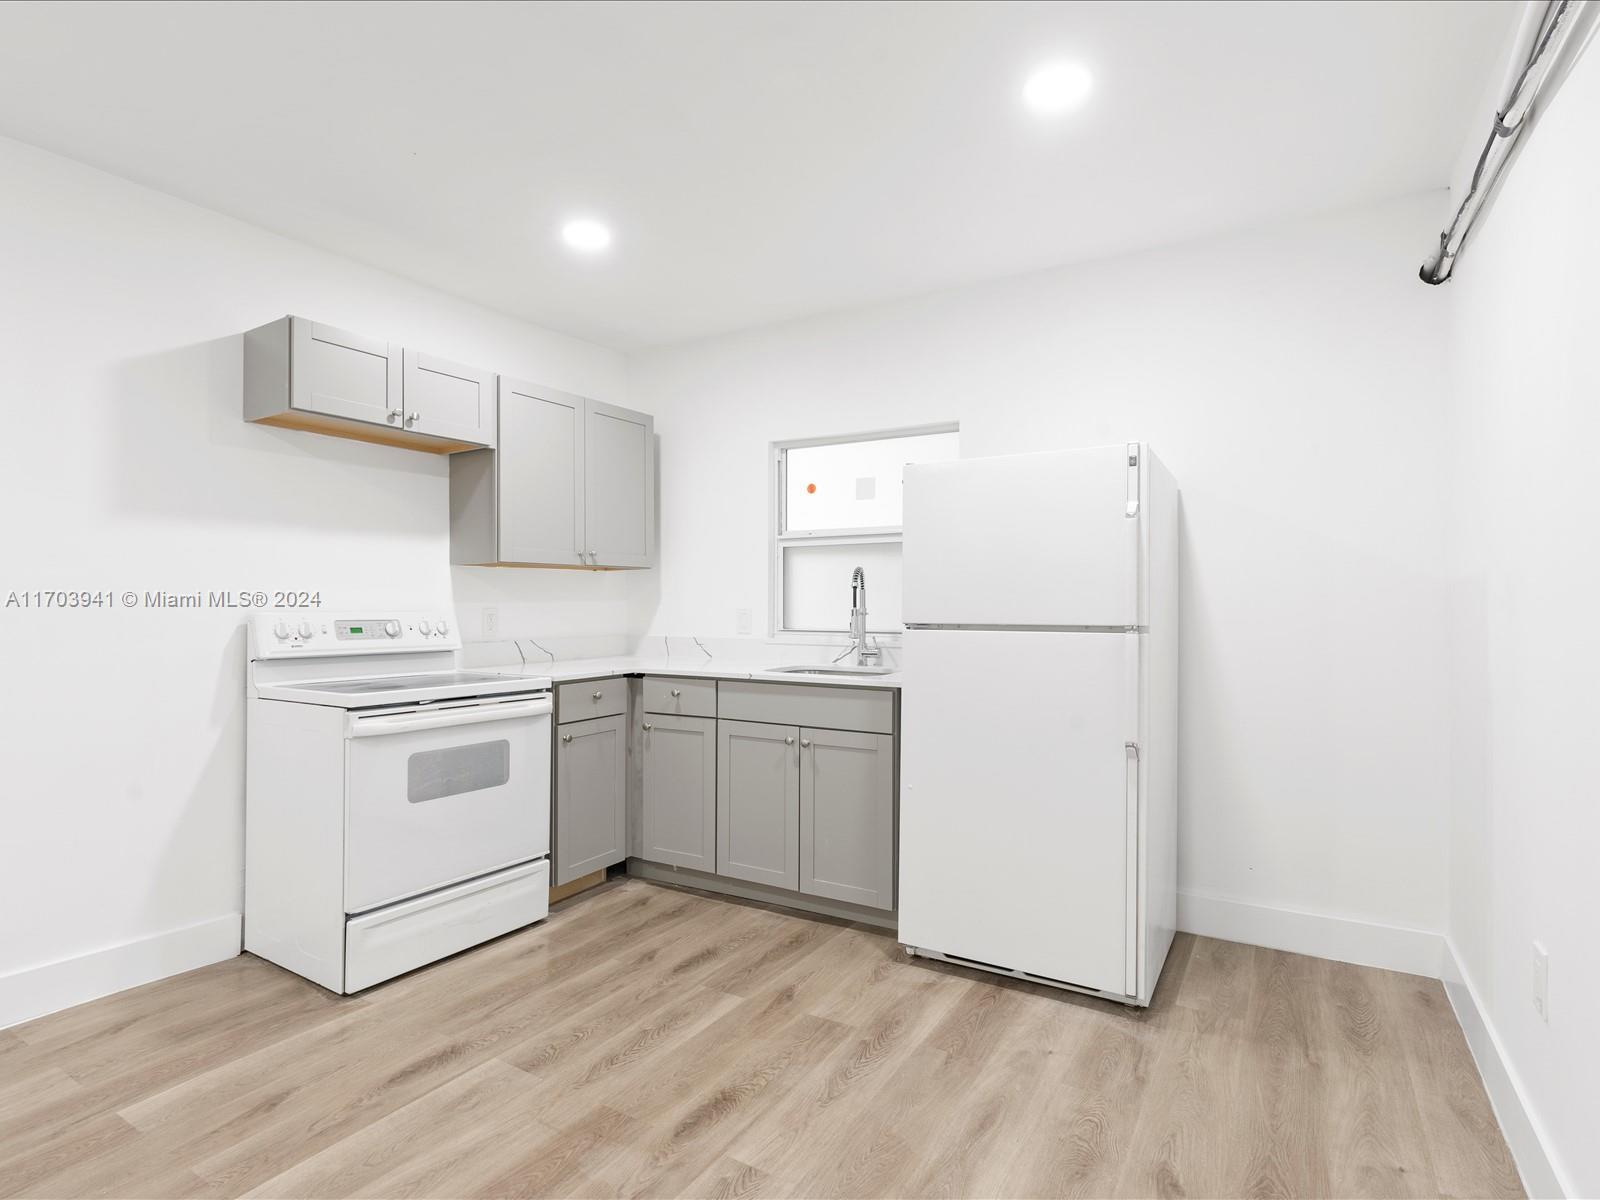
<point x="300" y="374"/>
<point x="680" y="791"/>
<point x="570" y="483"/>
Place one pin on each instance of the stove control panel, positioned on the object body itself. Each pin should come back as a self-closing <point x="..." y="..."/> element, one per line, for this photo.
<point x="300" y="634"/>
<point x="369" y="630"/>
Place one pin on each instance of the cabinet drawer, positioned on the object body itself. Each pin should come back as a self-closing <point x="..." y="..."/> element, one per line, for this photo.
<point x="866" y="710"/>
<point x="594" y="698"/>
<point x="680" y="697"/>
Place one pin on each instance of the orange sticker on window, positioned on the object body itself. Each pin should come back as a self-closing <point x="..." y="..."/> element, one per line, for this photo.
<point x="811" y="489"/>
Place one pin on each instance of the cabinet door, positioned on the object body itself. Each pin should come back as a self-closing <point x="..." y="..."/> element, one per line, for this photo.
<point x="591" y="796"/>
<point x="540" y="475"/>
<point x="447" y="400"/>
<point x="847" y="816"/>
<point x="619" y="492"/>
<point x="680" y="791"/>
<point x="343" y="374"/>
<point x="758" y="803"/>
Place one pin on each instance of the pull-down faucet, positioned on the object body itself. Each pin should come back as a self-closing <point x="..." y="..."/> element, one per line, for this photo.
<point x="866" y="655"/>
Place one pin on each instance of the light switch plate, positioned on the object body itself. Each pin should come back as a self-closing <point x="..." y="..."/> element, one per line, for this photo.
<point x="491" y="622"/>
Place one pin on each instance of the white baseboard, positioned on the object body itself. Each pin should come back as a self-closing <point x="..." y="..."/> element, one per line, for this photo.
<point x="1541" y="1177"/>
<point x="47" y="988"/>
<point x="1392" y="947"/>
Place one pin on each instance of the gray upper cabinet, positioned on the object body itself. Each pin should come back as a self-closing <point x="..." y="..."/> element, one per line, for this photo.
<point x="571" y="483"/>
<point x="680" y="791"/>
<point x="540" y="476"/>
<point x="339" y="374"/>
<point x="758" y="803"/>
<point x="300" y="374"/>
<point x="619" y="486"/>
<point x="847" y="816"/>
<point x="447" y="400"/>
<point x="591" y="797"/>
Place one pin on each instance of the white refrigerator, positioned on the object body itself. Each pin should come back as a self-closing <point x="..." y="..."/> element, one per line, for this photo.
<point x="1038" y="810"/>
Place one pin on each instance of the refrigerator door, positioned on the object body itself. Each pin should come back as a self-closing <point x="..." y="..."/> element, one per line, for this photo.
<point x="1019" y="802"/>
<point x="1027" y="539"/>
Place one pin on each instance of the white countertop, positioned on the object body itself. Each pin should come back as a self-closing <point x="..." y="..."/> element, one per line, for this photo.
<point x="564" y="670"/>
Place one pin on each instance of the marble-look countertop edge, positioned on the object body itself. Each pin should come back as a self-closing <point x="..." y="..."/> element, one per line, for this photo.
<point x="603" y="668"/>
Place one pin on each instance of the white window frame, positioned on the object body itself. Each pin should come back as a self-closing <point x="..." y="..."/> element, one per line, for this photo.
<point x="778" y="539"/>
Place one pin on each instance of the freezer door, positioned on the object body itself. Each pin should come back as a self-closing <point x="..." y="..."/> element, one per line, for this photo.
<point x="1028" y="539"/>
<point x="1015" y="817"/>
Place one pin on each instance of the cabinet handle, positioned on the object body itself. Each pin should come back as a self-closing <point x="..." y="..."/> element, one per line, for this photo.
<point x="648" y="727"/>
<point x="566" y="737"/>
<point x="676" y="692"/>
<point x="598" y="695"/>
<point x="788" y="741"/>
<point x="805" y="743"/>
<point x="392" y="414"/>
<point x="413" y="417"/>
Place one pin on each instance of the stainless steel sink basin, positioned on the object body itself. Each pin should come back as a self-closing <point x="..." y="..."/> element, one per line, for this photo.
<point x="828" y="670"/>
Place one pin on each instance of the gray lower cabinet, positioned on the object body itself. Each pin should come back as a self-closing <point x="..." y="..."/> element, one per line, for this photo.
<point x="758" y="803"/>
<point x="847" y="816"/>
<point x="591" y="796"/>
<point x="680" y="791"/>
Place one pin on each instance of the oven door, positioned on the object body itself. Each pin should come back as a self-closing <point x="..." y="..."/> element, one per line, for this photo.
<point x="440" y="794"/>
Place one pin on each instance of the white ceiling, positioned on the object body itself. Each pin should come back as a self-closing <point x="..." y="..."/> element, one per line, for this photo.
<point x="756" y="162"/>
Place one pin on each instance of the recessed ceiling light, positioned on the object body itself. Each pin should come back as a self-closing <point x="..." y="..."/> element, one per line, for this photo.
<point x="1057" y="88"/>
<point x="586" y="235"/>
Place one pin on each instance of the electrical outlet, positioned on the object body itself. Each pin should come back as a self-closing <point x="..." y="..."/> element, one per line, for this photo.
<point x="491" y="622"/>
<point x="742" y="620"/>
<point x="1541" y="982"/>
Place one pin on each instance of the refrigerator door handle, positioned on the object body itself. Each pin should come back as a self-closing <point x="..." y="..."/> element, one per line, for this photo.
<point x="1133" y="480"/>
<point x="1131" y="959"/>
<point x="1131" y="648"/>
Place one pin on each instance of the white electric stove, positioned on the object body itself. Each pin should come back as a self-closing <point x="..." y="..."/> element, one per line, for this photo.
<point x="397" y="808"/>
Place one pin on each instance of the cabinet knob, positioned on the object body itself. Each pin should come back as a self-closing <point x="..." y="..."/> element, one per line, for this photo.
<point x="413" y="417"/>
<point x="788" y="741"/>
<point x="392" y="414"/>
<point x="805" y="743"/>
<point x="648" y="727"/>
<point x="598" y="695"/>
<point x="676" y="692"/>
<point x="566" y="737"/>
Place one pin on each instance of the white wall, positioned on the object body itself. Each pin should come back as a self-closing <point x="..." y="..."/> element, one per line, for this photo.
<point x="126" y="465"/>
<point x="1525" y="377"/>
<point x="1291" y="380"/>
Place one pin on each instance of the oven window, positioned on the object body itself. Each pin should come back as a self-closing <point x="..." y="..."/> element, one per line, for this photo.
<point x="434" y="774"/>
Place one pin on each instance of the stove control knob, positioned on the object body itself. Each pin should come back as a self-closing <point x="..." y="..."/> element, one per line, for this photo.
<point x="443" y="629"/>
<point x="392" y="628"/>
<point x="305" y="630"/>
<point x="426" y="626"/>
<point x="280" y="631"/>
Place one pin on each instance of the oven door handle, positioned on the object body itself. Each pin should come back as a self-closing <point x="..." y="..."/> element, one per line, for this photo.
<point x="409" y="722"/>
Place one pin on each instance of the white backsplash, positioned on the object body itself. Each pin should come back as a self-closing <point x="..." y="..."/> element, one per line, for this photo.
<point x="749" y="653"/>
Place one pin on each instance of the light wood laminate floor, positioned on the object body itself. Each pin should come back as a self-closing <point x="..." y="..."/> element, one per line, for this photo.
<point x="648" y="1041"/>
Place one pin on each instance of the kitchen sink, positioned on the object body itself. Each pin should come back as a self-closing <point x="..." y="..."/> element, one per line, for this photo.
<point x="830" y="670"/>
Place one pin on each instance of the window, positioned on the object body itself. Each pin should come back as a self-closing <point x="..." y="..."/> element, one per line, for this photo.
<point x="838" y="507"/>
